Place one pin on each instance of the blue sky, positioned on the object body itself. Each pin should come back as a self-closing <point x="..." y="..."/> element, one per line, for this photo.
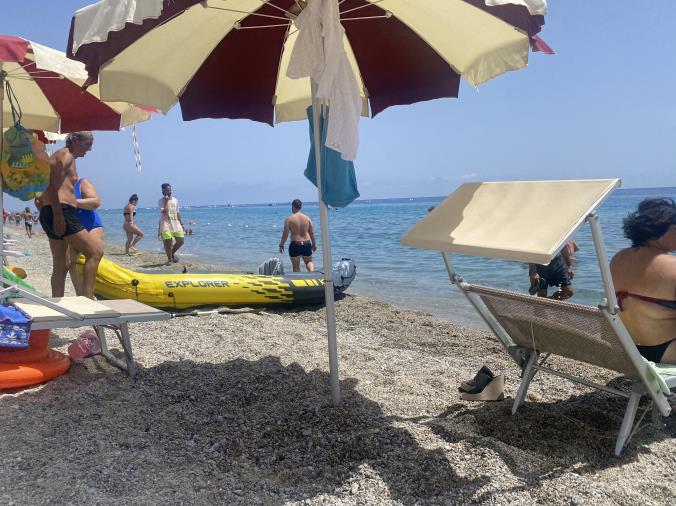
<point x="603" y="106"/>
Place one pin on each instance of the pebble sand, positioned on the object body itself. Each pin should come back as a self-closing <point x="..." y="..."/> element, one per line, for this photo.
<point x="235" y="409"/>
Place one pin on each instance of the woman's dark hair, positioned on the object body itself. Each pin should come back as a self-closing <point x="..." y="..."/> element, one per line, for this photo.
<point x="133" y="197"/>
<point x="650" y="221"/>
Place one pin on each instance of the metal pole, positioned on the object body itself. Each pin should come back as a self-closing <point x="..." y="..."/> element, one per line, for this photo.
<point x="607" y="278"/>
<point x="3" y="75"/>
<point x="326" y="253"/>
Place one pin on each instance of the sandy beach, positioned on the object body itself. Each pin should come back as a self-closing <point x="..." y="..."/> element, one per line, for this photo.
<point x="235" y="409"/>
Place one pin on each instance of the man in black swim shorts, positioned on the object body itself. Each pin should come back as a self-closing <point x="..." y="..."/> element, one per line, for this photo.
<point x="303" y="242"/>
<point x="58" y="216"/>
<point x="559" y="272"/>
<point x="73" y="225"/>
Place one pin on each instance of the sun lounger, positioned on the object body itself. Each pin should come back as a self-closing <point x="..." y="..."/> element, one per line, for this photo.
<point x="74" y="312"/>
<point x="533" y="328"/>
<point x="517" y="221"/>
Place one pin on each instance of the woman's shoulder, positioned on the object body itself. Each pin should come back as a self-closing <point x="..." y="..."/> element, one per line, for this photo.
<point x="623" y="255"/>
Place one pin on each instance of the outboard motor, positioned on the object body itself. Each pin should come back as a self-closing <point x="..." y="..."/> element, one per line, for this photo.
<point x="344" y="271"/>
<point x="271" y="267"/>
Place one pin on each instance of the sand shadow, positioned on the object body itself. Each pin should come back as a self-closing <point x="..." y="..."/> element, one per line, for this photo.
<point x="241" y="431"/>
<point x="547" y="439"/>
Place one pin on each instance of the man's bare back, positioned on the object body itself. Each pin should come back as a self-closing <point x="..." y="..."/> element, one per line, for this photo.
<point x="303" y="243"/>
<point x="299" y="225"/>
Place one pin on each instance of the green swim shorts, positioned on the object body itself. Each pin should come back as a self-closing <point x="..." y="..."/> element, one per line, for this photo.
<point x="167" y="234"/>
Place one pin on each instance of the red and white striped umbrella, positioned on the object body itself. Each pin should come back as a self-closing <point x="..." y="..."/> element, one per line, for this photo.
<point x="47" y="87"/>
<point x="228" y="58"/>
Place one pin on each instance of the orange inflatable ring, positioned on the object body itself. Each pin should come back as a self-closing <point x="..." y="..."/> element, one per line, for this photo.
<point x="36" y="364"/>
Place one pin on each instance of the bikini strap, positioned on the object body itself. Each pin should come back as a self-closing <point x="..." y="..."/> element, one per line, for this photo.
<point x="621" y="295"/>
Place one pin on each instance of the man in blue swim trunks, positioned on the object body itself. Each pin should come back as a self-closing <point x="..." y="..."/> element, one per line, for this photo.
<point x="303" y="242"/>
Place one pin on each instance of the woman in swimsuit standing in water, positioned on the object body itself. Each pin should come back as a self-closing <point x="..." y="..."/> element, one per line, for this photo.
<point x="645" y="279"/>
<point x="130" y="227"/>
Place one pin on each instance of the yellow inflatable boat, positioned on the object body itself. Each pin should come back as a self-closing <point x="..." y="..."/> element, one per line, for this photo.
<point x="185" y="291"/>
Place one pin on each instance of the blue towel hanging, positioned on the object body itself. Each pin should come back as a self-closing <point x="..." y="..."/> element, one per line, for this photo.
<point x="339" y="183"/>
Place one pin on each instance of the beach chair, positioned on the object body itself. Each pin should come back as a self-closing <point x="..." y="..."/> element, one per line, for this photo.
<point x="534" y="328"/>
<point x="74" y="312"/>
<point x="515" y="221"/>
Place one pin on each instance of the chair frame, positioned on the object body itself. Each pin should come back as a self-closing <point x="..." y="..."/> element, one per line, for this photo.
<point x="528" y="359"/>
<point x="119" y="324"/>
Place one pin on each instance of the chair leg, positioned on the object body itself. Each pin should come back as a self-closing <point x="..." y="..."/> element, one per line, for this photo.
<point x="526" y="377"/>
<point x="128" y="365"/>
<point x="125" y="340"/>
<point x="657" y="417"/>
<point x="101" y="332"/>
<point x="627" y="422"/>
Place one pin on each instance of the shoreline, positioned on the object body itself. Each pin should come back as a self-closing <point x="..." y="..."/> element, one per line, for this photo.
<point x="236" y="409"/>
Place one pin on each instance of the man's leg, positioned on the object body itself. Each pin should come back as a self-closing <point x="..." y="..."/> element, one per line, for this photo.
<point x="59" y="267"/>
<point x="168" y="243"/>
<point x="178" y="242"/>
<point x="75" y="277"/>
<point x="309" y="264"/>
<point x="93" y="253"/>
<point x="295" y="263"/>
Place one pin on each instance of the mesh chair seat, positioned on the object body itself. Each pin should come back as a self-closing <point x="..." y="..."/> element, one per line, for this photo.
<point x="570" y="330"/>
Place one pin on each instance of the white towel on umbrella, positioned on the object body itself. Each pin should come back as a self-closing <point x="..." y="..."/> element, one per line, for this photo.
<point x="319" y="53"/>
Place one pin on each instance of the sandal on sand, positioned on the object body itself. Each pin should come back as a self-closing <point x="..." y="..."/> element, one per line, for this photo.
<point x="174" y="259"/>
<point x="493" y="391"/>
<point x="482" y="378"/>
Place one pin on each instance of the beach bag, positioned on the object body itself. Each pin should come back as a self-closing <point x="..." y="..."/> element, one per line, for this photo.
<point x="24" y="164"/>
<point x="15" y="327"/>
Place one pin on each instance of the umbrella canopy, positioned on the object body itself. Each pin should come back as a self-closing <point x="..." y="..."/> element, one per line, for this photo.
<point x="233" y="59"/>
<point x="228" y="58"/>
<point x="48" y="89"/>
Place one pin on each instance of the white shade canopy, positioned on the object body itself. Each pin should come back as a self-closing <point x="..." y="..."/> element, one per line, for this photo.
<point x="525" y="221"/>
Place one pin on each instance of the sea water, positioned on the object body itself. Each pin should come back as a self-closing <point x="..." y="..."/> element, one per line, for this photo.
<point x="242" y="237"/>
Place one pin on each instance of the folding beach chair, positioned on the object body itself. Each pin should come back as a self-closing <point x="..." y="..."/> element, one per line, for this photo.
<point x="515" y="221"/>
<point x="73" y="312"/>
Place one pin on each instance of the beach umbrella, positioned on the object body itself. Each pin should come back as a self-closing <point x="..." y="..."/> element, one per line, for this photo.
<point x="230" y="59"/>
<point x="48" y="88"/>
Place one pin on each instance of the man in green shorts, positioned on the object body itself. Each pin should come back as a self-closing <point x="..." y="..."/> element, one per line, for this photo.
<point x="170" y="229"/>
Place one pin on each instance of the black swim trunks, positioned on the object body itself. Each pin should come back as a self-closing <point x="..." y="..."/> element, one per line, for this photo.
<point x="556" y="272"/>
<point x="73" y="225"/>
<point x="300" y="248"/>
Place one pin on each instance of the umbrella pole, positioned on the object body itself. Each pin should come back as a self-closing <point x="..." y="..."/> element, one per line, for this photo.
<point x="3" y="75"/>
<point x="326" y="253"/>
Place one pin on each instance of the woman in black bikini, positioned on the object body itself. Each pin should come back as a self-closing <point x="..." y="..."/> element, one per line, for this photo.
<point x="130" y="227"/>
<point x="645" y="279"/>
